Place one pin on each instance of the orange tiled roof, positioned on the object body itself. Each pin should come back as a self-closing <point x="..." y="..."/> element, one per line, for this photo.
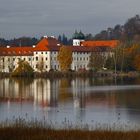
<point x="109" y="43"/>
<point x="47" y="44"/>
<point x="16" y="51"/>
<point x="52" y="44"/>
<point x="79" y="49"/>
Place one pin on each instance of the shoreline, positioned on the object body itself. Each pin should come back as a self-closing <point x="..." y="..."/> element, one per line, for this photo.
<point x="58" y="74"/>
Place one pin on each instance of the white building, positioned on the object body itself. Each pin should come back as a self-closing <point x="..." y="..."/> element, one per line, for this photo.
<point x="43" y="56"/>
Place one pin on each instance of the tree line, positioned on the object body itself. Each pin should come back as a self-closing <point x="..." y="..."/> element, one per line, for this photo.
<point x="130" y="31"/>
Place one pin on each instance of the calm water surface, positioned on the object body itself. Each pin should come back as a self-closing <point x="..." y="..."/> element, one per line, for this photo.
<point x="86" y="101"/>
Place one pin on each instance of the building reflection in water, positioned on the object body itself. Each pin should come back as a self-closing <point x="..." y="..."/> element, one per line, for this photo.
<point x="46" y="92"/>
<point x="40" y="91"/>
<point x="79" y="99"/>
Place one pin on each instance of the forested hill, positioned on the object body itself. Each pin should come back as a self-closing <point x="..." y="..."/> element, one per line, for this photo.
<point x="129" y="31"/>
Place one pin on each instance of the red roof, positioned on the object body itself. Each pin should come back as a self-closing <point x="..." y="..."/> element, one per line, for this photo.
<point x="52" y="44"/>
<point x="106" y="43"/>
<point x="80" y="49"/>
<point x="16" y="51"/>
<point x="48" y="44"/>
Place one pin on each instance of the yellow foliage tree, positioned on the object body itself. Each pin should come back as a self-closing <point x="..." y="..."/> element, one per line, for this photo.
<point x="23" y="69"/>
<point x="65" y="58"/>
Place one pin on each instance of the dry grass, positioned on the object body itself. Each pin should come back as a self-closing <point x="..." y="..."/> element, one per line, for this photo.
<point x="19" y="129"/>
<point x="10" y="133"/>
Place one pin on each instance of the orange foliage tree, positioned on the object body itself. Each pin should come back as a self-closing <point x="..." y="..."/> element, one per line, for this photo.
<point x="133" y="55"/>
<point x="65" y="58"/>
<point x="136" y="62"/>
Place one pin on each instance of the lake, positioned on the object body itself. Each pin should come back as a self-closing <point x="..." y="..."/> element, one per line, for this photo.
<point x="90" y="101"/>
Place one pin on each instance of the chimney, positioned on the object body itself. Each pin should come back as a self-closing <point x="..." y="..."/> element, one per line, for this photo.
<point x="45" y="36"/>
<point x="58" y="45"/>
<point x="52" y="37"/>
<point x="7" y="46"/>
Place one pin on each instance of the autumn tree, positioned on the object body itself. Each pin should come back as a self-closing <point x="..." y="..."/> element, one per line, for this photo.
<point x="65" y="58"/>
<point x="134" y="54"/>
<point x="23" y="69"/>
<point x="136" y="62"/>
<point x="96" y="61"/>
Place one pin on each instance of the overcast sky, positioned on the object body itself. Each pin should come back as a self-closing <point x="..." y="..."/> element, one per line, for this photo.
<point x="52" y="17"/>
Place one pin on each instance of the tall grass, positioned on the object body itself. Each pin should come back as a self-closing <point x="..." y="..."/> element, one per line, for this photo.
<point x="31" y="133"/>
<point x="20" y="129"/>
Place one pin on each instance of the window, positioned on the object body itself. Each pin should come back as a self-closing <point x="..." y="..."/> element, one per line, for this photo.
<point x="29" y="59"/>
<point x="46" y="52"/>
<point x="36" y="52"/>
<point x="55" y="67"/>
<point x="46" y="66"/>
<point x="41" y="52"/>
<point x="8" y="59"/>
<point x="36" y="58"/>
<point x="46" y="58"/>
<point x="24" y="59"/>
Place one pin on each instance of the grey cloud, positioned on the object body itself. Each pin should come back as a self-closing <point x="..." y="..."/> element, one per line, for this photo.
<point x="39" y="17"/>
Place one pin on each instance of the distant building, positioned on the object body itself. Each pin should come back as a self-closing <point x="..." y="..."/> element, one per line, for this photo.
<point x="45" y="53"/>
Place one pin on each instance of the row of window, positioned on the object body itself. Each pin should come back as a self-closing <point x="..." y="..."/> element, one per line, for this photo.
<point x="17" y="52"/>
<point x="40" y="67"/>
<point x="57" y="52"/>
<point x="80" y="53"/>
<point x="44" y="59"/>
<point x="81" y="58"/>
<point x="80" y="67"/>
<point x="45" y="52"/>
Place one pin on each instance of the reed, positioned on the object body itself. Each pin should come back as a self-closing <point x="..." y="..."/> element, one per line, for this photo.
<point x="20" y="129"/>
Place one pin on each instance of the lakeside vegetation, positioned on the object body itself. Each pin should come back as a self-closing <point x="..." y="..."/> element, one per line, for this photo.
<point x="58" y="74"/>
<point x="34" y="130"/>
<point x="43" y="134"/>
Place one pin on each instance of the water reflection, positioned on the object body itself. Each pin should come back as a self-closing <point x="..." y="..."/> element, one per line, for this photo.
<point x="87" y="100"/>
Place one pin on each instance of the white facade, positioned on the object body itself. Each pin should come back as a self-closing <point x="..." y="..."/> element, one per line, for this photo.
<point x="80" y="60"/>
<point x="44" y="59"/>
<point x="77" y="42"/>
